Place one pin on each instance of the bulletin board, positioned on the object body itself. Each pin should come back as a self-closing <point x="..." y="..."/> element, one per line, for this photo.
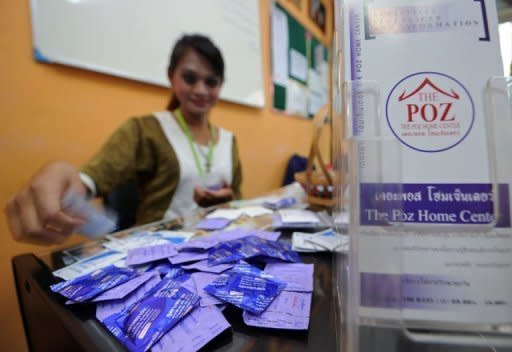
<point x="300" y="66"/>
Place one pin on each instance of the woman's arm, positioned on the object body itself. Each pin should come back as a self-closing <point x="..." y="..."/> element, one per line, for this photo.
<point x="35" y="214"/>
<point x="121" y="158"/>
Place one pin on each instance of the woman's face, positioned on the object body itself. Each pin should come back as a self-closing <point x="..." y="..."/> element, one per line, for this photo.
<point x="195" y="84"/>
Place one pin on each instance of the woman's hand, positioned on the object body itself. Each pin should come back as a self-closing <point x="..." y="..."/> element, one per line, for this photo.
<point x="35" y="214"/>
<point x="207" y="197"/>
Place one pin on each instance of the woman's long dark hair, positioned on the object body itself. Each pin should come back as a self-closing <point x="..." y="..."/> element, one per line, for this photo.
<point x="205" y="48"/>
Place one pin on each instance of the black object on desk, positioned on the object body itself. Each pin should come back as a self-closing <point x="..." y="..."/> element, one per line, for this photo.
<point x="52" y="326"/>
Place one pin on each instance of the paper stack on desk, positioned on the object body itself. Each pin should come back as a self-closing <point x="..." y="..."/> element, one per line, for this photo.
<point x="327" y="240"/>
<point x="297" y="218"/>
<point x="146" y="238"/>
<point x="233" y="214"/>
<point x="167" y="295"/>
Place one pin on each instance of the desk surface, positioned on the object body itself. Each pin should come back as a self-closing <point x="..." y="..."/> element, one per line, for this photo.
<point x="52" y="326"/>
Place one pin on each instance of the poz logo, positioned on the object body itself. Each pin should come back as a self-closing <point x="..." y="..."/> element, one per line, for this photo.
<point x="430" y="111"/>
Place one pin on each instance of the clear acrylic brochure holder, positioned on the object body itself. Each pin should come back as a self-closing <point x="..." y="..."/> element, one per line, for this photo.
<point x="429" y="291"/>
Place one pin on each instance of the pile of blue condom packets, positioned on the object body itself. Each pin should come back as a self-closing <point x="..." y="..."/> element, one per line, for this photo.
<point x="169" y="296"/>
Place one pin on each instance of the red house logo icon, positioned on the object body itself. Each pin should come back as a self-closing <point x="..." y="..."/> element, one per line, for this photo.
<point x="431" y="107"/>
<point x="430" y="111"/>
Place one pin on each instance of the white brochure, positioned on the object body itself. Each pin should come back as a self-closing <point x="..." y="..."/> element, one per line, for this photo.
<point x="419" y="73"/>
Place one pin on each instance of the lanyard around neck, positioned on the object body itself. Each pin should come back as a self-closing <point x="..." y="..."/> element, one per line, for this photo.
<point x="184" y="127"/>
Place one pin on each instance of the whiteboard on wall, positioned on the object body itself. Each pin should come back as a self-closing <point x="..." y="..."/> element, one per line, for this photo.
<point x="133" y="38"/>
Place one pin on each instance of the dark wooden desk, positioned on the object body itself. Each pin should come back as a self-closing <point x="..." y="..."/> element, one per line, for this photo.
<point x="52" y="326"/>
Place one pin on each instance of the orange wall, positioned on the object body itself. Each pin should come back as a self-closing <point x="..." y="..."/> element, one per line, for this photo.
<point x="53" y="112"/>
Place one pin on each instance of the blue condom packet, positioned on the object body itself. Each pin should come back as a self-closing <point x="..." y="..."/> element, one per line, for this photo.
<point x="165" y="268"/>
<point x="246" y="268"/>
<point x="249" y="247"/>
<point x="142" y="324"/>
<point x="225" y="252"/>
<point x="180" y="277"/>
<point x="86" y="287"/>
<point x="234" y="250"/>
<point x="282" y="251"/>
<point x="246" y="289"/>
<point x="274" y="249"/>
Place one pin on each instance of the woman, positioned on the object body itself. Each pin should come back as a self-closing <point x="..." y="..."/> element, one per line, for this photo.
<point x="176" y="156"/>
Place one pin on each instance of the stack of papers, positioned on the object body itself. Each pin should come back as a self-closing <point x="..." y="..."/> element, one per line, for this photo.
<point x="255" y="211"/>
<point x="296" y="218"/>
<point x="174" y="289"/>
<point x="229" y="214"/>
<point x="146" y="238"/>
<point x="327" y="240"/>
<point x="233" y="214"/>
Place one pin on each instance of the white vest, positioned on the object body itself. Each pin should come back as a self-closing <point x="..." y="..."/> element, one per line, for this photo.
<point x="182" y="203"/>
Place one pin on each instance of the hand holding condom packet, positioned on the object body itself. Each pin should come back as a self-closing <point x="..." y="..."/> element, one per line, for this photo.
<point x="213" y="181"/>
<point x="97" y="222"/>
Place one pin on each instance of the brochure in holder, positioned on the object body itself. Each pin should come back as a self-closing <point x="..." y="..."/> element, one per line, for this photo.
<point x="426" y="172"/>
<point x="448" y="278"/>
